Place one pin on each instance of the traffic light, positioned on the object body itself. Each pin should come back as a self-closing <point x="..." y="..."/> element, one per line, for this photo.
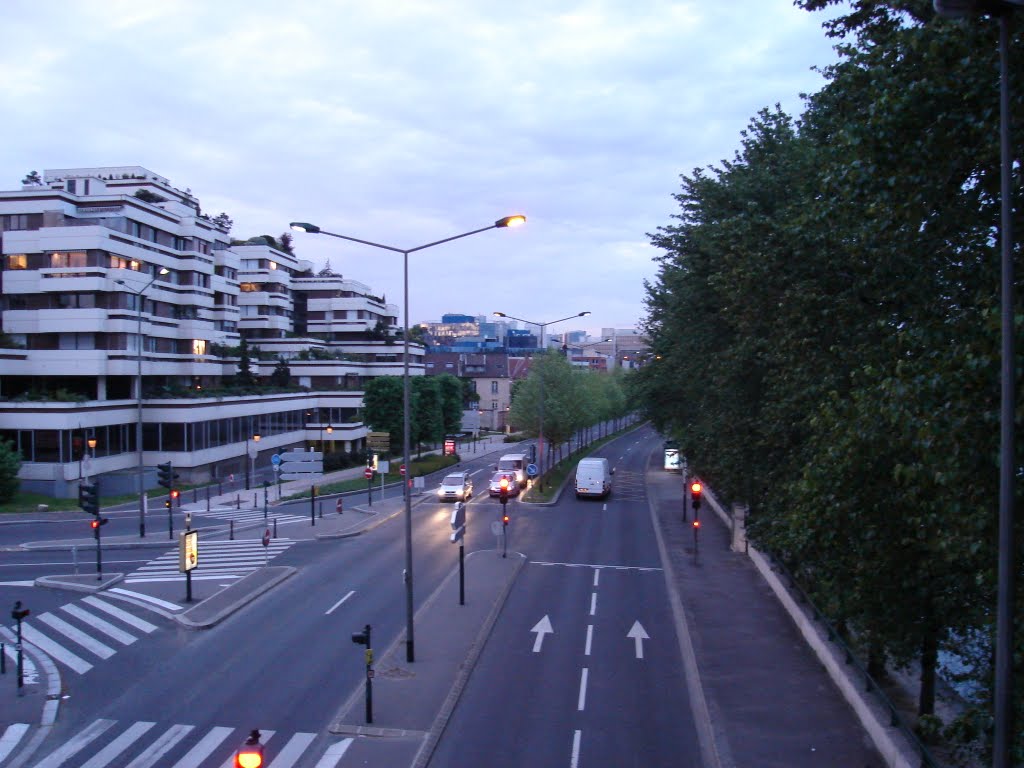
<point x="174" y="495"/>
<point x="362" y="638"/>
<point x="503" y="490"/>
<point x="251" y="753"/>
<point x="165" y="474"/>
<point x="89" y="498"/>
<point x="504" y="519"/>
<point x="696" y="525"/>
<point x="95" y="524"/>
<point x="696" y="489"/>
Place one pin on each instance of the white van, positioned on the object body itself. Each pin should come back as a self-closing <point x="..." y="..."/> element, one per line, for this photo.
<point x="593" y="478"/>
<point x="514" y="462"/>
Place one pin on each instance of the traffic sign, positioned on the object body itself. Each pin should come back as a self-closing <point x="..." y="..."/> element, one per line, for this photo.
<point x="275" y="459"/>
<point x="301" y="465"/>
<point x="401" y="470"/>
<point x="378" y="441"/>
<point x="266" y="538"/>
<point x="368" y="473"/>
<point x="531" y="470"/>
<point x="457" y="534"/>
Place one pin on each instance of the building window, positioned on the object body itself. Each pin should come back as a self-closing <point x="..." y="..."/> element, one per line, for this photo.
<point x="17" y="261"/>
<point x="494" y="405"/>
<point x="494" y="387"/>
<point x="198" y="347"/>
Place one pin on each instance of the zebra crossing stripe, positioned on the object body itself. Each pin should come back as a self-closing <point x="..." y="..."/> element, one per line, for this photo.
<point x="11" y="738"/>
<point x="117" y="613"/>
<point x="54" y="650"/>
<point x="334" y="754"/>
<point x="206" y="745"/>
<point x="161" y="746"/>
<point x="118" y="745"/>
<point x="76" y="744"/>
<point x="73" y="633"/>
<point x="97" y="623"/>
<point x="293" y="750"/>
<point x="147" y="598"/>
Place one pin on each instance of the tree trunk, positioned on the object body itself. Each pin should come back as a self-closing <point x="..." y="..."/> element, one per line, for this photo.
<point x="929" y="662"/>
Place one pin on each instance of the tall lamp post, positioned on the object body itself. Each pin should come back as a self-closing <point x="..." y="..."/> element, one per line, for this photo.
<point x="1002" y="742"/>
<point x="299" y="226"/>
<point x="540" y="378"/>
<point x="138" y="392"/>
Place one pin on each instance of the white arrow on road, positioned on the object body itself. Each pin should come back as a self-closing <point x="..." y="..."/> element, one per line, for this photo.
<point x="543" y="628"/>
<point x="639" y="635"/>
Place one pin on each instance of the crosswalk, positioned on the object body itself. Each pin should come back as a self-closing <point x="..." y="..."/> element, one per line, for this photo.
<point x="217" y="560"/>
<point x="91" y="629"/>
<point x="248" y="516"/>
<point x="147" y="744"/>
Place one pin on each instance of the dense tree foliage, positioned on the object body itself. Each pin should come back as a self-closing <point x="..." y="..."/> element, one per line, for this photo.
<point x="569" y="399"/>
<point x="825" y="325"/>
<point x="10" y="465"/>
<point x="435" y="408"/>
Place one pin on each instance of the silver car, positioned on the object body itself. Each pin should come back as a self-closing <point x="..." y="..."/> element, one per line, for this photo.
<point x="458" y="486"/>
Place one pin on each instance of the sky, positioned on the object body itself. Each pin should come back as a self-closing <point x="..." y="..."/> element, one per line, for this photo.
<point x="409" y="121"/>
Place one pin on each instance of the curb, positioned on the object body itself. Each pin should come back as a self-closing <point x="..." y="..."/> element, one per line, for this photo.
<point x="264" y="580"/>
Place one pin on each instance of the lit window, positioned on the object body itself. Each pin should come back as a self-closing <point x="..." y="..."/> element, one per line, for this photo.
<point x="17" y="261"/>
<point x="198" y="347"/>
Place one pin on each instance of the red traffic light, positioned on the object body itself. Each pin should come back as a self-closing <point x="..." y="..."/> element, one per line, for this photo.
<point x="695" y="488"/>
<point x="175" y="494"/>
<point x="94" y="524"/>
<point x="696" y="524"/>
<point x="503" y="483"/>
<point x="504" y="519"/>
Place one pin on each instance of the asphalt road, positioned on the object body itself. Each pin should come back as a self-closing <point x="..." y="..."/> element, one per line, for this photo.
<point x="583" y="667"/>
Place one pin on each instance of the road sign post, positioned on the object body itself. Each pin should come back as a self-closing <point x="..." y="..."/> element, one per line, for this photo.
<point x="458" y="523"/>
<point x="368" y="474"/>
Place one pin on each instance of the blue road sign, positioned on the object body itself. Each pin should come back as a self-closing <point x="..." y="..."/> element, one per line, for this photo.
<point x="275" y="459"/>
<point x="531" y="470"/>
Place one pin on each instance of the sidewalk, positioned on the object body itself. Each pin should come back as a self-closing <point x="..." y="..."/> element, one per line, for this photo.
<point x="770" y="701"/>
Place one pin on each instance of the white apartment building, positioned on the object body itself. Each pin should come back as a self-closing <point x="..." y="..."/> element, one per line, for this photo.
<point x="111" y="277"/>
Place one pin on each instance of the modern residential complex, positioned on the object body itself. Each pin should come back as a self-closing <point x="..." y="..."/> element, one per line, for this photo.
<point x="126" y="311"/>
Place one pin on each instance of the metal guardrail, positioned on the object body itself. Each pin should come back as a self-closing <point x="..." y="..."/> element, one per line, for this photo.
<point x="870" y="684"/>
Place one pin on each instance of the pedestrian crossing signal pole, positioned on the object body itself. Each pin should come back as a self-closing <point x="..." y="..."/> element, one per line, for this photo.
<point x="251" y="753"/>
<point x="18" y="614"/>
<point x="363" y="638"/>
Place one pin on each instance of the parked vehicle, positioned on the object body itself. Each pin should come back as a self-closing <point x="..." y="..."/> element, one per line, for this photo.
<point x="514" y="462"/>
<point x="513" y="485"/>
<point x="458" y="486"/>
<point x="593" y="478"/>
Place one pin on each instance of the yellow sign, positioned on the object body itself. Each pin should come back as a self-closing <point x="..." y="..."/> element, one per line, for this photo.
<point x="188" y="550"/>
<point x="379" y="441"/>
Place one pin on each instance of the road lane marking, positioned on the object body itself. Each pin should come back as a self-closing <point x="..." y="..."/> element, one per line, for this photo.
<point x="76" y="744"/>
<point x="292" y="751"/>
<point x="334" y="754"/>
<point x="117" y="613"/>
<point x="118" y="745"/>
<point x="147" y="598"/>
<point x="543" y="627"/>
<point x="346" y="597"/>
<point x="597" y="576"/>
<point x="161" y="746"/>
<point x="593" y="565"/>
<point x="593" y="603"/>
<point x="97" y="623"/>
<point x="54" y="650"/>
<point x="11" y="738"/>
<point x="73" y="633"/>
<point x="638" y="635"/>
<point x="575" y="760"/>
<point x="590" y="635"/>
<point x="582" y="701"/>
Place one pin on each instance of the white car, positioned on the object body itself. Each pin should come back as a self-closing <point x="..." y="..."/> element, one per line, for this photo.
<point x="458" y="486"/>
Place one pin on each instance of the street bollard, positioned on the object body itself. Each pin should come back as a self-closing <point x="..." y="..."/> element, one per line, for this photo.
<point x="321" y="510"/>
<point x="3" y="660"/>
<point x="275" y="527"/>
<point x="238" y="501"/>
<point x="231" y="530"/>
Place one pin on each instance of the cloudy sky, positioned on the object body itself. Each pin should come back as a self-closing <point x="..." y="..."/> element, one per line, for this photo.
<point x="407" y="121"/>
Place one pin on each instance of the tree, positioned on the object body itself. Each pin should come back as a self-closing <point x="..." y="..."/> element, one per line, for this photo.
<point x="383" y="408"/>
<point x="245" y="377"/>
<point x="10" y="465"/>
<point x="451" y="390"/>
<point x="427" y="415"/>
<point x="223" y="221"/>
<point x="286" y="242"/>
<point x="32" y="179"/>
<point x="281" y="376"/>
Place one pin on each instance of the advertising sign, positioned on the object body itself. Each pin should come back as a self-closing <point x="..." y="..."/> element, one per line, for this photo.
<point x="188" y="550"/>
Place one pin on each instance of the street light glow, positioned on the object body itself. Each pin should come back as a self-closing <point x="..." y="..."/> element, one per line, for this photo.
<point x="511" y="221"/>
<point x="302" y="226"/>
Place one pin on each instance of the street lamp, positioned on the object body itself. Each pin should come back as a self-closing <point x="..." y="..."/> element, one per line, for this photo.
<point x="138" y="392"/>
<point x="250" y="455"/>
<point x="508" y="221"/>
<point x="1002" y="741"/>
<point x="540" y="378"/>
